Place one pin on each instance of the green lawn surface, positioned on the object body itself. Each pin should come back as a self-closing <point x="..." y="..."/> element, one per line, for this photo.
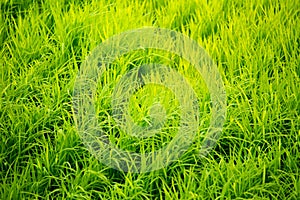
<point x="256" y="47"/>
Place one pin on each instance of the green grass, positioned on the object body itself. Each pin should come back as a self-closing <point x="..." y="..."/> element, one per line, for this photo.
<point x="256" y="47"/>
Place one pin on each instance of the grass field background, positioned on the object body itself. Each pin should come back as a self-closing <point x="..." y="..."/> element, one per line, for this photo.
<point x="256" y="46"/>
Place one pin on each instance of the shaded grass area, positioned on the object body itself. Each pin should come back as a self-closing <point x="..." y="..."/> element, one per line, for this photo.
<point x="256" y="47"/>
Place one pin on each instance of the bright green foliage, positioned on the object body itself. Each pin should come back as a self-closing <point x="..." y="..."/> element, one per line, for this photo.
<point x="256" y="47"/>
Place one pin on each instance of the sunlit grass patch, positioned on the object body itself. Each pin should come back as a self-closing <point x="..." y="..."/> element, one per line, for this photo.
<point x="255" y="45"/>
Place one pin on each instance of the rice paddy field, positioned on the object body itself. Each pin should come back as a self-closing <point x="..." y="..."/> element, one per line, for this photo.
<point x="255" y="45"/>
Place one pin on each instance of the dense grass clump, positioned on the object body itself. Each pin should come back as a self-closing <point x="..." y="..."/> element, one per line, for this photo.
<point x="256" y="47"/>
